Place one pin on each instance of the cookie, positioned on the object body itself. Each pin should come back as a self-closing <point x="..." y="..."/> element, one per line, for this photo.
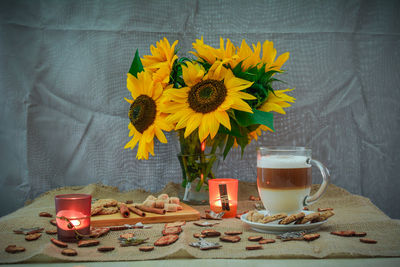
<point x="368" y="240"/>
<point x="308" y="218"/>
<point x="233" y="233"/>
<point x="146" y="248"/>
<point x="311" y="237"/>
<point x="343" y="233"/>
<point x="69" y="252"/>
<point x="51" y="232"/>
<point x="323" y="216"/>
<point x="230" y="238"/>
<point x="166" y="240"/>
<point x="59" y="243"/>
<point x="210" y="233"/>
<point x="268" y="219"/>
<point x="266" y="241"/>
<point x="98" y="231"/>
<point x="95" y="209"/>
<point x="255" y="238"/>
<point x="292" y="218"/>
<point x="45" y="214"/>
<point x="88" y="243"/>
<point x="324" y="209"/>
<point x="129" y="202"/>
<point x="32" y="237"/>
<point x="254" y="247"/>
<point x="172" y="230"/>
<point x="108" y="211"/>
<point x="106" y="202"/>
<point x="14" y="249"/>
<point x="53" y="222"/>
<point x="105" y="249"/>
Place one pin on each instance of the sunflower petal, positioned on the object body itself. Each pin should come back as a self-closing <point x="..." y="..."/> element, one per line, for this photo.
<point x="223" y="118"/>
<point x="193" y="122"/>
<point x="160" y="135"/>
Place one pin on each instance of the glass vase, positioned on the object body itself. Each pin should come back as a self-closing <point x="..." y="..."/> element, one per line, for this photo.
<point x="197" y="169"/>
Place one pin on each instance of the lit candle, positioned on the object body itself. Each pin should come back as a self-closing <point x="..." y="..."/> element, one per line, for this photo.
<point x="223" y="196"/>
<point x="73" y="216"/>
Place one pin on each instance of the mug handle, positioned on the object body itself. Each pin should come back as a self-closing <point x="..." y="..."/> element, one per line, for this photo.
<point x="325" y="181"/>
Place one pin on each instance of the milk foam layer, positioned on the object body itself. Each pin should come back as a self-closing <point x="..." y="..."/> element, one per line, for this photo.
<point x="288" y="201"/>
<point x="283" y="162"/>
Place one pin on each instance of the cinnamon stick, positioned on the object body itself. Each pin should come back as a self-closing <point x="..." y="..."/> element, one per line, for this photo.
<point x="152" y="210"/>
<point x="124" y="210"/>
<point x="137" y="211"/>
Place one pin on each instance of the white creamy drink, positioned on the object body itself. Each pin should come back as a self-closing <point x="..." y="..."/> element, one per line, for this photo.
<point x="283" y="182"/>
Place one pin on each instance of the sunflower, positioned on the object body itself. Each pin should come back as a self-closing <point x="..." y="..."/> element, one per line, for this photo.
<point x="161" y="61"/>
<point x="204" y="102"/>
<point x="146" y="119"/>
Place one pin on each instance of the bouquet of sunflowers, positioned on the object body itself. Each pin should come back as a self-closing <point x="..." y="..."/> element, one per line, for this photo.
<point x="218" y="99"/>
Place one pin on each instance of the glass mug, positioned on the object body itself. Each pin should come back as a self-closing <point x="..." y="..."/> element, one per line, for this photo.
<point x="284" y="178"/>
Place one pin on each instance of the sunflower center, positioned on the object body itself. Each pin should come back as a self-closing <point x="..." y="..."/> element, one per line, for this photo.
<point x="142" y="112"/>
<point x="207" y="96"/>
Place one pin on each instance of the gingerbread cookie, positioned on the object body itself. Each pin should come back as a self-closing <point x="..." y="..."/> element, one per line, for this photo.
<point x="292" y="218"/>
<point x="32" y="237"/>
<point x="69" y="252"/>
<point x="210" y="233"/>
<point x="255" y="238"/>
<point x="254" y="247"/>
<point x="45" y="214"/>
<point x="166" y="240"/>
<point x="172" y="230"/>
<point x="146" y="248"/>
<point x="88" y="243"/>
<point x="14" y="249"/>
<point x="105" y="249"/>
<point x="59" y="243"/>
<point x="266" y="241"/>
<point x="230" y="238"/>
<point x="268" y="219"/>
<point x="308" y="218"/>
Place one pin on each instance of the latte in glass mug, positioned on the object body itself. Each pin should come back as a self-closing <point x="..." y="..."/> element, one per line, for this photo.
<point x="284" y="179"/>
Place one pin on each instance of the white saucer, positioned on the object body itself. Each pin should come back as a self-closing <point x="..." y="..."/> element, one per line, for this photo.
<point x="275" y="228"/>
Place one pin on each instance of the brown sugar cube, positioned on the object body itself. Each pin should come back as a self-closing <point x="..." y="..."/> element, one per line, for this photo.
<point x="53" y="222"/>
<point x="146" y="248"/>
<point x="45" y="214"/>
<point x="105" y="249"/>
<point x="14" y="249"/>
<point x="266" y="241"/>
<point x="255" y="238"/>
<point x="368" y="240"/>
<point x="32" y="237"/>
<point x="311" y="237"/>
<point x="292" y="218"/>
<point x="69" y="252"/>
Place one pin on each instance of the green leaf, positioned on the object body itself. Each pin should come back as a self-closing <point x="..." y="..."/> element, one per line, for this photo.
<point x="229" y="144"/>
<point x="235" y="131"/>
<point x="136" y="65"/>
<point x="246" y="119"/>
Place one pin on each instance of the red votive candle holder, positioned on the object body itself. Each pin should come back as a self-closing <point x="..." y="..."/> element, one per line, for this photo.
<point x="73" y="216"/>
<point x="223" y="196"/>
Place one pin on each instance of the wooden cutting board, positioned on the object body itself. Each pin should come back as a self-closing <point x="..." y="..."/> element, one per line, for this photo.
<point x="186" y="214"/>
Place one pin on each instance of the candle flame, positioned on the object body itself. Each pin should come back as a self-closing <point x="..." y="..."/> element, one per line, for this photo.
<point x="75" y="222"/>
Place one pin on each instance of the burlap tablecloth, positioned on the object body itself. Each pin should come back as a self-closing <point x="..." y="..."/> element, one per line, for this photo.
<point x="352" y="213"/>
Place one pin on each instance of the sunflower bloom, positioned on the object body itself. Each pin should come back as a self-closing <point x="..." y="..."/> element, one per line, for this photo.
<point x="269" y="54"/>
<point x="146" y="119"/>
<point x="204" y="102"/>
<point x="277" y="101"/>
<point x="161" y="60"/>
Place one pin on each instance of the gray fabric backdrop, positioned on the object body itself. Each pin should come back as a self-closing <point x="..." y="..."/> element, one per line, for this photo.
<point x="63" y="68"/>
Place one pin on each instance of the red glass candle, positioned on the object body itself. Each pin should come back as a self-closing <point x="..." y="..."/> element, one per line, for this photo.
<point x="223" y="196"/>
<point x="73" y="215"/>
